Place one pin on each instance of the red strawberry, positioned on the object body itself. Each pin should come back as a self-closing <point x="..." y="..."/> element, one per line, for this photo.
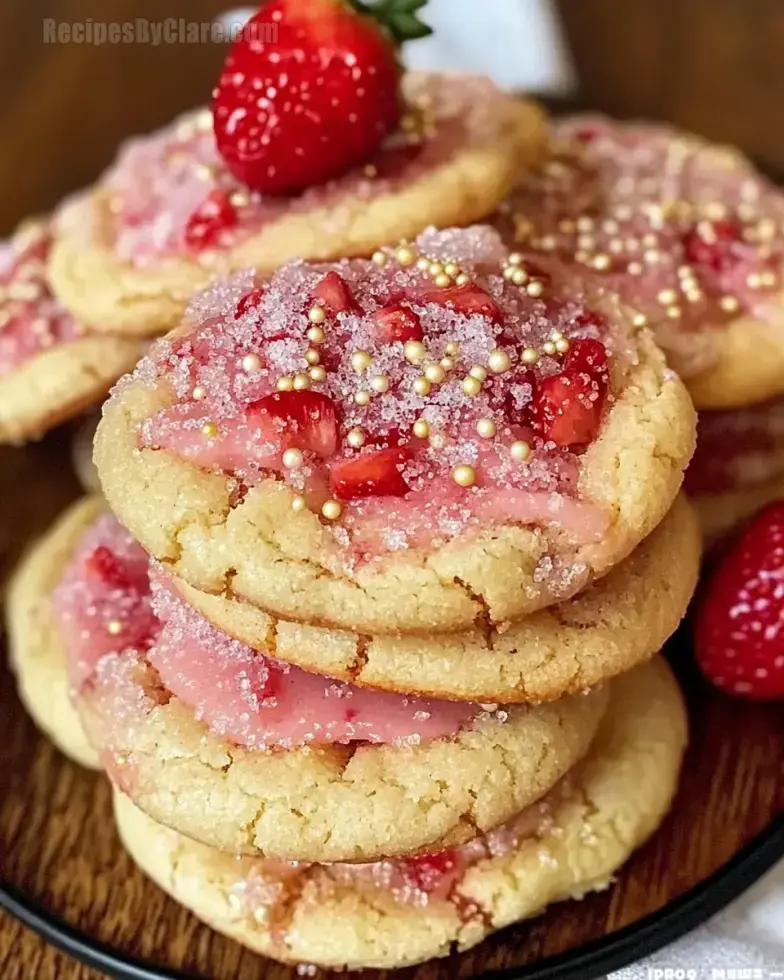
<point x="739" y="625"/>
<point x="568" y="406"/>
<point x="310" y="89"/>
<point x="713" y="244"/>
<point x="396" y="323"/>
<point x="109" y="568"/>
<point x="373" y="474"/>
<point x="427" y="872"/>
<point x="211" y="218"/>
<point x="469" y="300"/>
<point x="249" y="302"/>
<point x="333" y="293"/>
<point x="297" y="420"/>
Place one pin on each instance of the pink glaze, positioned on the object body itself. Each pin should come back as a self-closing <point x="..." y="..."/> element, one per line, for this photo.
<point x="113" y="628"/>
<point x="159" y="181"/>
<point x="737" y="449"/>
<point x="418" y="882"/>
<point x="259" y="702"/>
<point x="225" y="369"/>
<point x="638" y="201"/>
<point x="102" y="602"/>
<point x="31" y="319"/>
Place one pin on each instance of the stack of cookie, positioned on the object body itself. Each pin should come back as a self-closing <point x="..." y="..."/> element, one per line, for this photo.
<point x="691" y="237"/>
<point x="385" y="682"/>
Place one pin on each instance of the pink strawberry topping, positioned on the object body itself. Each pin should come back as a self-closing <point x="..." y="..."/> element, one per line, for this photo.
<point x="687" y="233"/>
<point x="116" y="621"/>
<point x="440" y="387"/>
<point x="737" y="449"/>
<point x="31" y="319"/>
<point x="171" y="193"/>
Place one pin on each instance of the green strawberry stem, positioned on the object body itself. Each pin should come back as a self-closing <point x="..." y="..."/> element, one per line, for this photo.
<point x="399" y="18"/>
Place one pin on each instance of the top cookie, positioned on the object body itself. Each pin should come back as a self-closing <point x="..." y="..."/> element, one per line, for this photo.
<point x="689" y="234"/>
<point x="169" y="215"/>
<point x="414" y="443"/>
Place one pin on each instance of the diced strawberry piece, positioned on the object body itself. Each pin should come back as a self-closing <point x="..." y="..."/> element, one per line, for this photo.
<point x="712" y="244"/>
<point x="468" y="300"/>
<point x="249" y="301"/>
<point x="109" y="568"/>
<point x="568" y="406"/>
<point x="739" y="626"/>
<point x="427" y="872"/>
<point x="304" y="420"/>
<point x="211" y="218"/>
<point x="333" y="293"/>
<point x="397" y="323"/>
<point x="589" y="319"/>
<point x="514" y="394"/>
<point x="372" y="474"/>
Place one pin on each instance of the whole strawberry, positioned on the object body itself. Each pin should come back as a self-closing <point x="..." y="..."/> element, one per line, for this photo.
<point x="310" y="89"/>
<point x="739" y="626"/>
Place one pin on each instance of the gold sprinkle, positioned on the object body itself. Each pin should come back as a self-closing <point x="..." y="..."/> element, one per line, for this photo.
<point x="452" y="269"/>
<point x="673" y="312"/>
<point x="462" y="279"/>
<point x="499" y="361"/>
<point x="452" y="348"/>
<point x="312" y="356"/>
<point x="753" y="280"/>
<point x="442" y="280"/>
<point x="486" y="428"/>
<point x="519" y="277"/>
<point x="601" y="262"/>
<point x="332" y="510"/>
<point x="421" y="429"/>
<point x="422" y="386"/>
<point x="423" y="264"/>
<point x="404" y="255"/>
<point x="198" y="393"/>
<point x="360" y="361"/>
<point x="379" y="258"/>
<point x="209" y="430"/>
<point x="729" y="304"/>
<point x="530" y="355"/>
<point x="293" y="459"/>
<point x="634" y="269"/>
<point x="437" y="440"/>
<point x="414" y="351"/>
<point x="301" y="381"/>
<point x="317" y="373"/>
<point x="447" y="363"/>
<point x="380" y="383"/>
<point x="316" y="314"/>
<point x="640" y="320"/>
<point x="472" y="386"/>
<point x="515" y="258"/>
<point x="251" y="362"/>
<point x="315" y="334"/>
<point x="435" y="269"/>
<point x="285" y="383"/>
<point x="520" y="450"/>
<point x="478" y="372"/>
<point x="549" y="348"/>
<point x="355" y="437"/>
<point x="298" y="502"/>
<point x="534" y="288"/>
<point x="464" y="475"/>
<point x="435" y="373"/>
<point x="562" y="345"/>
<point x="667" y="296"/>
<point x="362" y="398"/>
<point x="114" y="627"/>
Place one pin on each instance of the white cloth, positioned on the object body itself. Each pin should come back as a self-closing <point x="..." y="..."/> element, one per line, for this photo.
<point x="520" y="45"/>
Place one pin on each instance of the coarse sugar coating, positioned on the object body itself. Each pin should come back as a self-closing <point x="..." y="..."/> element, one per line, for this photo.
<point x="256" y="756"/>
<point x="441" y="435"/>
<point x="169" y="215"/>
<point x="614" y="625"/>
<point x="397" y="913"/>
<point x="51" y="367"/>
<point x="688" y="233"/>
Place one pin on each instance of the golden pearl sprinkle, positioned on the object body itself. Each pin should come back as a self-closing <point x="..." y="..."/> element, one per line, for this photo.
<point x="332" y="510"/>
<point x="464" y="475"/>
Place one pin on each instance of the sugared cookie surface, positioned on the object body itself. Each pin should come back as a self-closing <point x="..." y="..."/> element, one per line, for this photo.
<point x="689" y="234"/>
<point x="415" y="442"/>
<point x="252" y="755"/>
<point x="50" y="366"/>
<point x="170" y="214"/>
<point x="396" y="913"/>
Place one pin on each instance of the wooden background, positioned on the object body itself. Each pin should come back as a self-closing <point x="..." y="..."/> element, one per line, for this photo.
<point x="716" y="66"/>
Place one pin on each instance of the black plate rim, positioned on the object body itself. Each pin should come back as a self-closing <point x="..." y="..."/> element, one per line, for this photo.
<point x="589" y="962"/>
